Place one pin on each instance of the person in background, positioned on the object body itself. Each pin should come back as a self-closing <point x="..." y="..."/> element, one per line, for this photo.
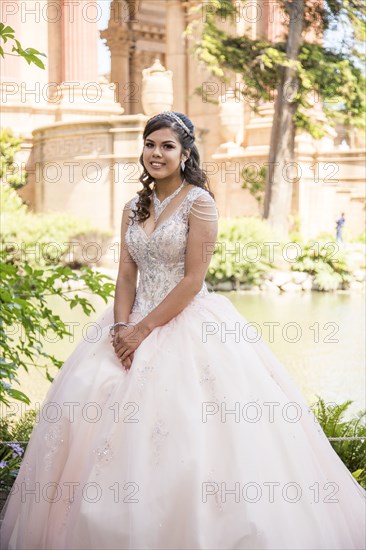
<point x="339" y="228"/>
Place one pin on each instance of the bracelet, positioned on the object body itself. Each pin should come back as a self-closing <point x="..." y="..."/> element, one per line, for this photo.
<point x="119" y="324"/>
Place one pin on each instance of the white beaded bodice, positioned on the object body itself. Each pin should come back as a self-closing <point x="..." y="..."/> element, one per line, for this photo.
<point x="160" y="256"/>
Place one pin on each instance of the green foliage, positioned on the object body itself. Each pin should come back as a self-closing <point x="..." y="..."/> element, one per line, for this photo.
<point x="14" y="436"/>
<point x="352" y="453"/>
<point x="27" y="318"/>
<point x="326" y="262"/>
<point x="240" y="255"/>
<point x="337" y="82"/>
<point x="31" y="55"/>
<point x="323" y="75"/>
<point x="254" y="181"/>
<point x="48" y="239"/>
<point x="9" y="146"/>
<point x="326" y="278"/>
<point x="361" y="238"/>
<point x="11" y="202"/>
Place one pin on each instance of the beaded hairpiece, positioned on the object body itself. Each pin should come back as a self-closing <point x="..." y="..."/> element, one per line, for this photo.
<point x="176" y="118"/>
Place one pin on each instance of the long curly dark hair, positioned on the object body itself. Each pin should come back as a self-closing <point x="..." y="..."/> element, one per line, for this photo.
<point x="192" y="174"/>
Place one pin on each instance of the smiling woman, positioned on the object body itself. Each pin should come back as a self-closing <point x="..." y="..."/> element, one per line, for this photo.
<point x="170" y="156"/>
<point x="165" y="152"/>
<point x="167" y="433"/>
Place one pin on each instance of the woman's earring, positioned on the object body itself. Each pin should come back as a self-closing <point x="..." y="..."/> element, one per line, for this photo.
<point x="183" y="164"/>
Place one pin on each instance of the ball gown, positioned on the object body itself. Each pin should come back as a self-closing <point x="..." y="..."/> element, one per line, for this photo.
<point x="205" y="443"/>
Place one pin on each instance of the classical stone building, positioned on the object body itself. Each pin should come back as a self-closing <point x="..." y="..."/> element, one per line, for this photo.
<point x="82" y="132"/>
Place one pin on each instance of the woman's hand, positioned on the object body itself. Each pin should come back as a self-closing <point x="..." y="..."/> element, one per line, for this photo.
<point x="126" y="340"/>
<point x="127" y="363"/>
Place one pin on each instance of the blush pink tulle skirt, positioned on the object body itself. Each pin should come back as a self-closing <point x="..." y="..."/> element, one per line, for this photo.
<point x="206" y="443"/>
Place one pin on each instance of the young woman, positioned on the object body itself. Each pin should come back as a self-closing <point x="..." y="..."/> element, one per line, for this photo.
<point x="178" y="429"/>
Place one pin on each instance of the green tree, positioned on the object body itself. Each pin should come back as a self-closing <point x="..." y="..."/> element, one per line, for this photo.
<point x="294" y="73"/>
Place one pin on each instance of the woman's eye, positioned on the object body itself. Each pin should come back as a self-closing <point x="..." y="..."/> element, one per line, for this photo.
<point x="166" y="146"/>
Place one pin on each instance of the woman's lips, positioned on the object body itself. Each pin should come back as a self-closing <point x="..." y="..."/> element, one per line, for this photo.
<point x="157" y="165"/>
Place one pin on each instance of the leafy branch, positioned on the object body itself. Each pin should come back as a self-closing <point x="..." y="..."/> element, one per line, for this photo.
<point x="27" y="318"/>
<point x="31" y="55"/>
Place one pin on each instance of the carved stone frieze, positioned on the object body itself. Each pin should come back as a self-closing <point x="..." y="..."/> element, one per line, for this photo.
<point x="71" y="147"/>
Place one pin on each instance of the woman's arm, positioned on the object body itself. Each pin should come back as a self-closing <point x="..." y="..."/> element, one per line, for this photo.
<point x="127" y="276"/>
<point x="203" y="225"/>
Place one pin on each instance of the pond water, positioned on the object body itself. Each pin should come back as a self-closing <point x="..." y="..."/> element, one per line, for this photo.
<point x="319" y="337"/>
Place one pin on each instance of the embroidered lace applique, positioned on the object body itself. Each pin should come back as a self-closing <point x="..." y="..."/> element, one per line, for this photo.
<point x="103" y="456"/>
<point x="143" y="373"/>
<point x="158" y="436"/>
<point x="54" y="441"/>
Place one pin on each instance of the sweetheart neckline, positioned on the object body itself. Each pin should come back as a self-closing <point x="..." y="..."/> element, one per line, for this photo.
<point x="148" y="237"/>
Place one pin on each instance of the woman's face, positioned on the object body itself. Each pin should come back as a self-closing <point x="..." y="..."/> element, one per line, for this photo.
<point x="162" y="154"/>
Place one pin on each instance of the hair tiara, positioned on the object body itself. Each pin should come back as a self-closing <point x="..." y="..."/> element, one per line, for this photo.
<point x="176" y="118"/>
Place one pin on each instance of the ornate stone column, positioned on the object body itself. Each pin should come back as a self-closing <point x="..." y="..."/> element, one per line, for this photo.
<point x="135" y="30"/>
<point x="79" y="41"/>
<point x="120" y="71"/>
<point x="176" y="52"/>
<point x="133" y="9"/>
<point x="119" y="42"/>
<point x="81" y="93"/>
<point x="55" y="46"/>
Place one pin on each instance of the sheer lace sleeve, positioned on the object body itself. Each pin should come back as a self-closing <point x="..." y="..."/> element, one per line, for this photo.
<point x="204" y="208"/>
<point x="130" y="204"/>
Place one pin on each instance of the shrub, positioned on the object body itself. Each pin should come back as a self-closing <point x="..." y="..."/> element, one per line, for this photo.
<point x="14" y="436"/>
<point x="48" y="239"/>
<point x="352" y="453"/>
<point x="9" y="171"/>
<point x="240" y="255"/>
<point x="326" y="262"/>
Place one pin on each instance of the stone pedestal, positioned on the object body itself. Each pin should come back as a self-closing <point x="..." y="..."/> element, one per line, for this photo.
<point x="89" y="169"/>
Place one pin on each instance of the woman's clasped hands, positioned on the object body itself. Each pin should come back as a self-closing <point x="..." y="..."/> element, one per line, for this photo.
<point x="126" y="340"/>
